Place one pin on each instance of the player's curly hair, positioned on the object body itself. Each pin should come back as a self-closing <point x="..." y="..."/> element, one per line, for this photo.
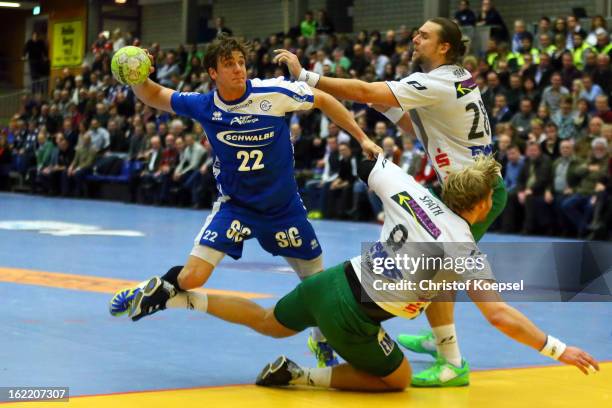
<point x="222" y="47"/>
<point x="465" y="188"/>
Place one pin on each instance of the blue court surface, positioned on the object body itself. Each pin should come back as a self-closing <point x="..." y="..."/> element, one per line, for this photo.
<point x="59" y="263"/>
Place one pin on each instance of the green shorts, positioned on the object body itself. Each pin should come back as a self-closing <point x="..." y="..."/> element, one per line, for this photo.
<point x="325" y="300"/>
<point x="500" y="196"/>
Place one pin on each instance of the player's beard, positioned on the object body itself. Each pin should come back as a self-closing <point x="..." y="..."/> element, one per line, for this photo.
<point x="419" y="60"/>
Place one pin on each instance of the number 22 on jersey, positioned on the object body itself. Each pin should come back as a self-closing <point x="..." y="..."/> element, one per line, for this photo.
<point x="251" y="160"/>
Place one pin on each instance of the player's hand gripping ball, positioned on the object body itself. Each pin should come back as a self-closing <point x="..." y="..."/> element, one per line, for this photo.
<point x="131" y="65"/>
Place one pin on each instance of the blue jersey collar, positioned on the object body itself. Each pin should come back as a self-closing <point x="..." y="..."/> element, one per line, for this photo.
<point x="239" y="100"/>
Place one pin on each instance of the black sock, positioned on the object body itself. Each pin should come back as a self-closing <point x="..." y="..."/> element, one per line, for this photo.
<point x="172" y="276"/>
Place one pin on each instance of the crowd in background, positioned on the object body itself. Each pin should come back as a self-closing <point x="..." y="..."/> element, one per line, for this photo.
<point x="545" y="84"/>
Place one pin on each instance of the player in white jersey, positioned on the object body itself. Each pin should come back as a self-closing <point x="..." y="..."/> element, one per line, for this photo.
<point x="349" y="301"/>
<point x="444" y="107"/>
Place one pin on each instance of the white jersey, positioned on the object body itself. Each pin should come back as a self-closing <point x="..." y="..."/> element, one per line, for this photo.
<point x="448" y="116"/>
<point x="415" y="221"/>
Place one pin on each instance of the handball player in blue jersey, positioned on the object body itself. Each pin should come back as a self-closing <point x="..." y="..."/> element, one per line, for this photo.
<point x="244" y="121"/>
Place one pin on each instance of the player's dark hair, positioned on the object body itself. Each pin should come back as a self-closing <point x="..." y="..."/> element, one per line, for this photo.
<point x="222" y="48"/>
<point x="450" y="33"/>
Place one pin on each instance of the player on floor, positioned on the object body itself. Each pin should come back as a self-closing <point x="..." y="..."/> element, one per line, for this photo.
<point x="244" y="121"/>
<point x="347" y="304"/>
<point x="445" y="107"/>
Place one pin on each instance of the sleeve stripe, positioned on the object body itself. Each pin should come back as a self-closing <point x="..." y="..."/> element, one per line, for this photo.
<point x="284" y="91"/>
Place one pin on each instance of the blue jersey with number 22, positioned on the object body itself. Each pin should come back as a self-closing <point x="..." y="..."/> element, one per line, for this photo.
<point x="250" y="140"/>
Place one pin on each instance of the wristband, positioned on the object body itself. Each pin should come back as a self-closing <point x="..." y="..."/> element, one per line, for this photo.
<point x="553" y="348"/>
<point x="394" y="114"/>
<point x="311" y="78"/>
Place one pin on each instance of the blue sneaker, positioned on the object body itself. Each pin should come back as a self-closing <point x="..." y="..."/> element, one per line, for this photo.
<point x="120" y="303"/>
<point x="323" y="352"/>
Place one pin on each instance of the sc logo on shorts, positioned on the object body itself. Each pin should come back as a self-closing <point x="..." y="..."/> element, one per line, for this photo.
<point x="238" y="232"/>
<point x="289" y="238"/>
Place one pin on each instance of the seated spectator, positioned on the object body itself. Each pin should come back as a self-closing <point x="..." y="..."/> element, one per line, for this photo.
<point x="602" y="109"/>
<point x="551" y="96"/>
<point x="146" y="182"/>
<point x="578" y="207"/>
<point x="51" y="177"/>
<point x="316" y="190"/>
<point x="190" y="159"/>
<point x="521" y="121"/>
<point x="602" y="75"/>
<point x="581" y="116"/>
<point x="532" y="183"/>
<point x="501" y="112"/>
<point x="598" y="24"/>
<point x="511" y="218"/>
<point x="100" y="138"/>
<point x="340" y="189"/>
<point x="221" y="28"/>
<point x="569" y="72"/>
<point x="80" y="168"/>
<point x="583" y="146"/>
<point x="591" y="90"/>
<point x="550" y="145"/>
<point x="308" y="27"/>
<point x="581" y="48"/>
<point x="562" y="185"/>
<point x="564" y="119"/>
<point x="44" y="155"/>
<point x="166" y="71"/>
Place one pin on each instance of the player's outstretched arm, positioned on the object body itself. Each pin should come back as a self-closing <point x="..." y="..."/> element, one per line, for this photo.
<point x="516" y="325"/>
<point x="343" y="118"/>
<point x="154" y="95"/>
<point x="345" y="89"/>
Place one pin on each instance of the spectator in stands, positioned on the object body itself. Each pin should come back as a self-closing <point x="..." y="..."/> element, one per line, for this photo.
<point x="520" y="32"/>
<point x="583" y="145"/>
<point x="138" y="144"/>
<point x="308" y="27"/>
<point x="552" y="95"/>
<point x="44" y="155"/>
<point x="62" y="156"/>
<point x="490" y="16"/>
<point x="598" y="25"/>
<point x="591" y="90"/>
<point x="521" y="121"/>
<point x="532" y="183"/>
<point x="100" y="138"/>
<point x="493" y="89"/>
<point x="35" y="50"/>
<point x="602" y="108"/>
<point x="512" y="216"/>
<point x="573" y="27"/>
<point x="80" y="167"/>
<point x="340" y="189"/>
<point x="550" y="145"/>
<point x="316" y="191"/>
<point x="578" y="207"/>
<point x="324" y="24"/>
<point x="166" y="72"/>
<point x="189" y="161"/>
<point x="602" y="75"/>
<point x="6" y="160"/>
<point x="569" y="72"/>
<point x="562" y="186"/>
<point x="464" y="15"/>
<point x="564" y="119"/>
<point x="144" y="183"/>
<point x="221" y="28"/>
<point x="501" y="112"/>
<point x="543" y="29"/>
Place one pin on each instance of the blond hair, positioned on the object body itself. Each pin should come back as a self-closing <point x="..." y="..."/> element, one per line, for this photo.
<point x="465" y="188"/>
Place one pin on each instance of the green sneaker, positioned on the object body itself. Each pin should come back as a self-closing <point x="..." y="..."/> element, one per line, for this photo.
<point x="443" y="374"/>
<point x="323" y="353"/>
<point x="315" y="215"/>
<point x="415" y="343"/>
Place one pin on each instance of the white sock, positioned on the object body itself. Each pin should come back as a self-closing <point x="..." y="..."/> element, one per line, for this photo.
<point x="314" y="377"/>
<point x="446" y="343"/>
<point x="189" y="300"/>
<point x="317" y="335"/>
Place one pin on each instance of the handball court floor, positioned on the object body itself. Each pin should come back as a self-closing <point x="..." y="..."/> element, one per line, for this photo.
<point x="61" y="259"/>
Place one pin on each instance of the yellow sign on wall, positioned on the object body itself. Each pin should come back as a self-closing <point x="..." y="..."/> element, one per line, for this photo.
<point x="67" y="50"/>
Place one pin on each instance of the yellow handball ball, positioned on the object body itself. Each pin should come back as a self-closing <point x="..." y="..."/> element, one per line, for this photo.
<point x="130" y="65"/>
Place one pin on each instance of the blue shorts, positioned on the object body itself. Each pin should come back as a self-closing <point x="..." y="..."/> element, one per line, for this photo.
<point x="287" y="234"/>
